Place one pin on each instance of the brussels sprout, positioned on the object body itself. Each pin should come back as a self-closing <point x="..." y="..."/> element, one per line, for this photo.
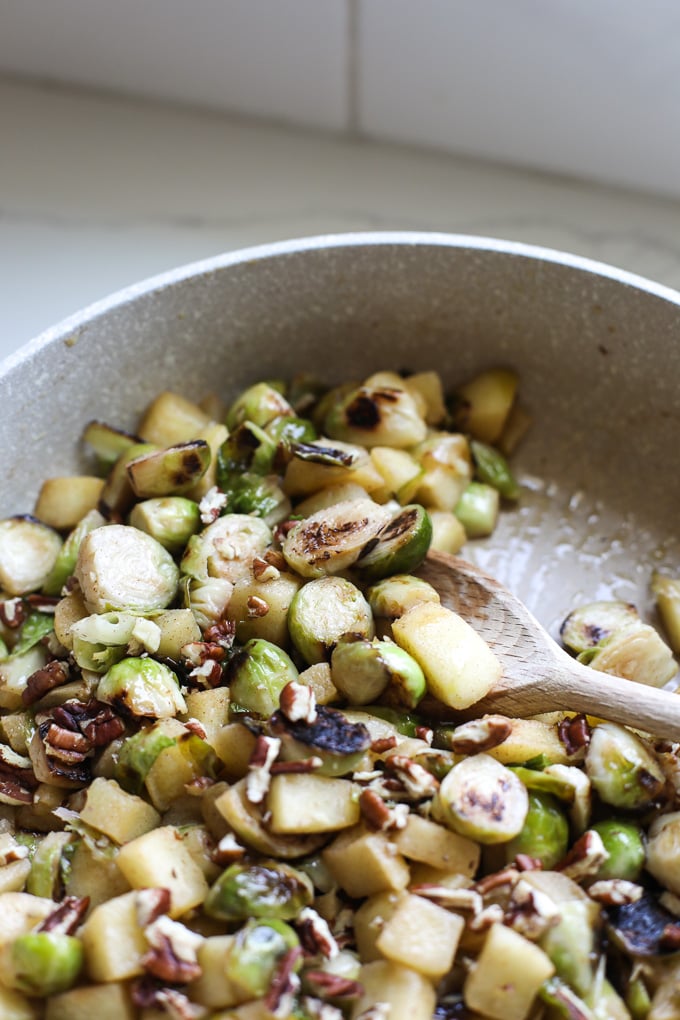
<point x="108" y="442"/>
<point x="266" y="889"/>
<point x="339" y="743"/>
<point x="376" y="416"/>
<point x="666" y="591"/>
<point x="393" y="596"/>
<point x="142" y="687"/>
<point x="28" y="553"/>
<point x="250" y="493"/>
<point x="47" y="872"/>
<point x="564" y="1003"/>
<point x="257" y="949"/>
<point x="226" y="548"/>
<point x="622" y="768"/>
<point x="260" y="404"/>
<point x="332" y="540"/>
<point x="288" y="429"/>
<point x="256" y="675"/>
<point x="207" y="599"/>
<point x="44" y="963"/>
<point x="121" y="568"/>
<point x="588" y="625"/>
<point x="169" y="472"/>
<point x="363" y="670"/>
<point x="623" y="841"/>
<point x="482" y="799"/>
<point x="247" y="448"/>
<point x="399" y="547"/>
<point x="636" y="652"/>
<point x="65" y="562"/>
<point x="322" y="612"/>
<point x="171" y="520"/>
<point x="663" y="850"/>
<point x="35" y="627"/>
<point x="492" y="468"/>
<point x="545" y="833"/>
<point x="102" y="639"/>
<point x="137" y="754"/>
<point x="570" y="943"/>
<point x="14" y="673"/>
<point x="477" y="510"/>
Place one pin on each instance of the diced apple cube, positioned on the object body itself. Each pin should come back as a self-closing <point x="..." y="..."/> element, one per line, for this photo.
<point x="426" y="841"/>
<point x="160" y="859"/>
<point x="409" y="995"/>
<point x="213" y="988"/>
<point x="508" y="974"/>
<point x="113" y="940"/>
<point x="96" y="1002"/>
<point x="302" y="802"/>
<point x="422" y="936"/>
<point x="459" y="666"/>
<point x="365" y="862"/>
<point x="14" y="1006"/>
<point x="119" y="815"/>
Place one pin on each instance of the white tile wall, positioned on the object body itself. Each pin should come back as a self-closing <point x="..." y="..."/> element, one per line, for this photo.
<point x="584" y="87"/>
<point x="276" y="58"/>
<point x="590" y="87"/>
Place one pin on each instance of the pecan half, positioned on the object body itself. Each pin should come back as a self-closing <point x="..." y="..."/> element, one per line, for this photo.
<point x="382" y="744"/>
<point x="172" y="955"/>
<point x="54" y="674"/>
<point x="529" y="911"/>
<point x="480" y="734"/>
<point x="263" y="570"/>
<point x="17" y="779"/>
<point x="417" y="782"/>
<point x="67" y="917"/>
<point x="380" y="815"/>
<point x="297" y="703"/>
<point x="147" y="993"/>
<point x="315" y="935"/>
<point x="284" y="984"/>
<point x="615" y="892"/>
<point x="585" y="858"/>
<point x="13" y="612"/>
<point x="574" y="734"/>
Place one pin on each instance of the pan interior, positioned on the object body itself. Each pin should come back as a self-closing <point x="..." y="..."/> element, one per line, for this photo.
<point x="598" y="359"/>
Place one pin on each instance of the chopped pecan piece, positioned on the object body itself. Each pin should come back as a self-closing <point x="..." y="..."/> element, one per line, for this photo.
<point x="228" y="850"/>
<point x="332" y="986"/>
<point x="172" y="955"/>
<point x="529" y="911"/>
<point x="263" y="757"/>
<point x="54" y="674"/>
<point x="284" y="984"/>
<point x="150" y="904"/>
<point x="256" y="607"/>
<point x="670" y="938"/>
<point x="13" y="612"/>
<point x="380" y="815"/>
<point x="574" y="734"/>
<point x="504" y="877"/>
<point x="493" y="914"/>
<point x="615" y="892"/>
<point x="43" y="603"/>
<point x="212" y="505"/>
<point x="480" y="734"/>
<point x="263" y="570"/>
<point x="221" y="633"/>
<point x="382" y="744"/>
<point x="585" y="858"/>
<point x="452" y="899"/>
<point x="297" y="703"/>
<point x="416" y="780"/>
<point x="315" y="935"/>
<point x="301" y="765"/>
<point x="17" y="779"/>
<point x="147" y="993"/>
<point x="67" y="917"/>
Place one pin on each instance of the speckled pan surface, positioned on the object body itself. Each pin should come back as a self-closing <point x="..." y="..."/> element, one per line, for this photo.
<point x="598" y="352"/>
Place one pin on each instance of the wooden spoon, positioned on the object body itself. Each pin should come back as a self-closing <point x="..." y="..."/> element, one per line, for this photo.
<point x="538" y="676"/>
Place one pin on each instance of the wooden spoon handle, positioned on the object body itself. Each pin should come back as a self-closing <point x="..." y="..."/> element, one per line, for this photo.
<point x="570" y="686"/>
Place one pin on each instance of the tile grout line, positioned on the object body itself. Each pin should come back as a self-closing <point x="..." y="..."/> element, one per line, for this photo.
<point x="353" y="70"/>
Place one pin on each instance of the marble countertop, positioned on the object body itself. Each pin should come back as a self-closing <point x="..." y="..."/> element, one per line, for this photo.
<point x="97" y="192"/>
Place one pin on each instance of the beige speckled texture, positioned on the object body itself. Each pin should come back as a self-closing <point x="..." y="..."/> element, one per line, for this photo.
<point x="598" y="352"/>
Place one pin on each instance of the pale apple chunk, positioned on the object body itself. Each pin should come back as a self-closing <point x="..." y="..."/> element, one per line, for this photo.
<point x="365" y="862"/>
<point x="96" y="1002"/>
<point x="302" y="802"/>
<point x="408" y="994"/>
<point x="507" y="976"/>
<point x="92" y="875"/>
<point x="529" y="738"/>
<point x="459" y="666"/>
<point x="20" y="913"/>
<point x="13" y="876"/>
<point x="426" y="841"/>
<point x="119" y="815"/>
<point x="422" y="936"/>
<point x="160" y="859"/>
<point x="14" y="1006"/>
<point x="369" y="921"/>
<point x="210" y="708"/>
<point x="234" y="744"/>
<point x="113" y="940"/>
<point x="213" y="988"/>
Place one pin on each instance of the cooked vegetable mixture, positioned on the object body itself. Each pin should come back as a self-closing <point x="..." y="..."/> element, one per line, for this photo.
<point x="233" y="781"/>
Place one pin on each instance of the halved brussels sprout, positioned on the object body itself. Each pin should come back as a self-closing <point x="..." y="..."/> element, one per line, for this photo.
<point x="260" y="404"/>
<point x="257" y="949"/>
<point x="102" y="639"/>
<point x="545" y="833"/>
<point x="226" y="548"/>
<point x="339" y="743"/>
<point x="65" y="562"/>
<point x="376" y="416"/>
<point x="622" y="768"/>
<point x="267" y="888"/>
<point x="393" y="596"/>
<point x="28" y="553"/>
<point x="364" y="670"/>
<point x="322" y="612"/>
<point x="43" y="963"/>
<point x="399" y="547"/>
<point x="121" y="568"/>
<point x="482" y="799"/>
<point x="142" y="687"/>
<point x="171" y="520"/>
<point x="624" y="842"/>
<point x="333" y="539"/>
<point x="588" y="625"/>
<point x="256" y="674"/>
